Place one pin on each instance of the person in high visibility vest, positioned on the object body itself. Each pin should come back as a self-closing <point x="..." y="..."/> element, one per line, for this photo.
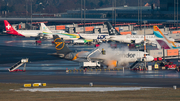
<point x="103" y="51"/>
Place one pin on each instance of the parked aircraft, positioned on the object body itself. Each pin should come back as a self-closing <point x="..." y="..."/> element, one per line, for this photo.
<point x="94" y="36"/>
<point x="49" y="34"/>
<point x="25" y="33"/>
<point x="114" y="35"/>
<point x="109" y="57"/>
<point x="163" y="41"/>
<point x="76" y="39"/>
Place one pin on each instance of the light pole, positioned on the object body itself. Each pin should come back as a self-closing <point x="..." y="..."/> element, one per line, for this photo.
<point x="31" y="14"/>
<point x="177" y="13"/>
<point x="115" y="13"/>
<point x="81" y="11"/>
<point x="26" y="10"/>
<point x="84" y="15"/>
<point x="112" y="11"/>
<point x="138" y="11"/>
<point x="141" y="13"/>
<point x="174" y="12"/>
<point x="144" y="43"/>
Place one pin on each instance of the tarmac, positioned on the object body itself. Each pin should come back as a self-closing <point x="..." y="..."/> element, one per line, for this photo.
<point x="48" y="69"/>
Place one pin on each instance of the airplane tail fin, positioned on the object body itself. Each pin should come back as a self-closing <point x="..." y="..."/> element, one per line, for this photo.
<point x="8" y="26"/>
<point x="60" y="46"/>
<point x="10" y="29"/>
<point x="111" y="30"/>
<point x="157" y="32"/>
<point x="45" y="30"/>
<point x="163" y="44"/>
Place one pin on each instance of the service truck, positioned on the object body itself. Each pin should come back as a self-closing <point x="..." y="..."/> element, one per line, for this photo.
<point x="91" y="64"/>
<point x="170" y="65"/>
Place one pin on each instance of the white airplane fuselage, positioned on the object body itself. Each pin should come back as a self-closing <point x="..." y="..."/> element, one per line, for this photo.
<point x="136" y="38"/>
<point x="64" y="36"/>
<point x="95" y="36"/>
<point x="29" y="33"/>
<point x="119" y="56"/>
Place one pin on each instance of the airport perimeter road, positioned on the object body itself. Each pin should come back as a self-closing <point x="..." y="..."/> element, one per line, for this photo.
<point x="24" y="77"/>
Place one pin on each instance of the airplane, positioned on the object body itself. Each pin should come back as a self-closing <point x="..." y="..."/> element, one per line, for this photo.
<point x="66" y="36"/>
<point x="76" y="39"/>
<point x="25" y="33"/>
<point x="94" y="36"/>
<point x="116" y="36"/>
<point x="49" y="34"/>
<point x="112" y="57"/>
<point x="163" y="41"/>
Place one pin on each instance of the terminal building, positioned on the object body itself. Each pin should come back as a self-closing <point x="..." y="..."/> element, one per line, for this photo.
<point x="160" y="14"/>
<point x="165" y="10"/>
<point x="169" y="5"/>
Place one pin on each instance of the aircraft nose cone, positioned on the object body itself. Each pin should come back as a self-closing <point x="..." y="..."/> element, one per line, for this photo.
<point x="149" y="58"/>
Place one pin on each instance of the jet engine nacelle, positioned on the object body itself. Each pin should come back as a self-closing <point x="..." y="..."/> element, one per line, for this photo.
<point x="115" y="63"/>
<point x="42" y="36"/>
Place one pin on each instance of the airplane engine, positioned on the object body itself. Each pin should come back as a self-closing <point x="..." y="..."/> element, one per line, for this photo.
<point x="115" y="63"/>
<point x="42" y="36"/>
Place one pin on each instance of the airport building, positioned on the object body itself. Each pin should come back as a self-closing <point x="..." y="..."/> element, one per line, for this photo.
<point x="147" y="11"/>
<point x="169" y="5"/>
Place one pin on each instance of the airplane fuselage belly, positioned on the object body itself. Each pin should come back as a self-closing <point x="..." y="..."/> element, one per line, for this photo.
<point x="64" y="37"/>
<point x="128" y="60"/>
<point x="29" y="33"/>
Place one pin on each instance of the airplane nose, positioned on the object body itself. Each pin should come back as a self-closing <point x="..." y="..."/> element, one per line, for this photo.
<point x="149" y="58"/>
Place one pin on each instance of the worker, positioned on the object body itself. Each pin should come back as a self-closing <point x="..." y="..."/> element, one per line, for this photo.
<point x="103" y="51"/>
<point x="177" y="68"/>
<point x="156" y="66"/>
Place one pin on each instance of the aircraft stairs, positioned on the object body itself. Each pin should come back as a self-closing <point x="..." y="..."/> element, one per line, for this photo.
<point x="137" y="64"/>
<point x="18" y="64"/>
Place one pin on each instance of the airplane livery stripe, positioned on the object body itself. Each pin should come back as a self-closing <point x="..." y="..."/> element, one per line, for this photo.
<point x="158" y="34"/>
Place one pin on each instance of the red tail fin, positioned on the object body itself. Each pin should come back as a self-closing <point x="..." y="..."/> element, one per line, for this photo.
<point x="8" y="26"/>
<point x="10" y="29"/>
